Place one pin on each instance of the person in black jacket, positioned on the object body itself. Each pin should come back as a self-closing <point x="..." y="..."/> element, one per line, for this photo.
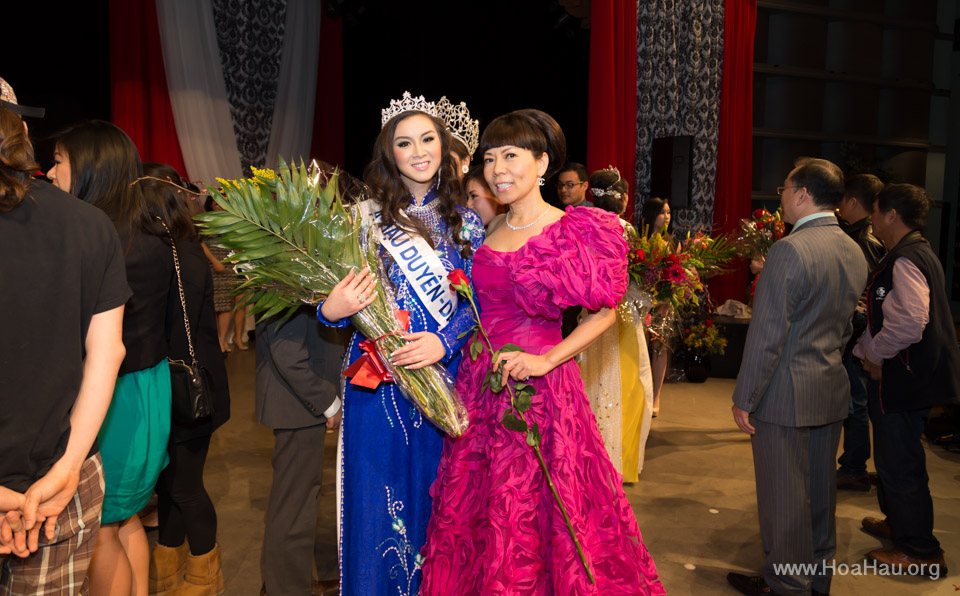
<point x="909" y="349"/>
<point x="859" y="197"/>
<point x="98" y="163"/>
<point x="186" y="513"/>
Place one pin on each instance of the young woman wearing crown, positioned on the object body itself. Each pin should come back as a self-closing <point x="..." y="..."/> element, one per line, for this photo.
<point x="388" y="452"/>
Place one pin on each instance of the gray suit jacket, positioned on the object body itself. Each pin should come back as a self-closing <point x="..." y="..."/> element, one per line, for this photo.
<point x="298" y="370"/>
<point x="792" y="371"/>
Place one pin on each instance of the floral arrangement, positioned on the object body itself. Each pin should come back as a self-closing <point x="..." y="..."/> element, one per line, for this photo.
<point x="709" y="256"/>
<point x="704" y="338"/>
<point x="520" y="398"/>
<point x="667" y="276"/>
<point x="293" y="237"/>
<point x="758" y="233"/>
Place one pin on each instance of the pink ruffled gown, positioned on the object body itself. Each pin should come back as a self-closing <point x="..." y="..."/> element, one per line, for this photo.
<point x="495" y="527"/>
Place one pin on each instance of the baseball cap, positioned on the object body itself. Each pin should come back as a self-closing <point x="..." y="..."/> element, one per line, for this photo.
<point x="8" y="99"/>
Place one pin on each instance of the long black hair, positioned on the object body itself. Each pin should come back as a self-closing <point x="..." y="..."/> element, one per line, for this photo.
<point x="166" y="200"/>
<point x="104" y="164"/>
<point x="383" y="178"/>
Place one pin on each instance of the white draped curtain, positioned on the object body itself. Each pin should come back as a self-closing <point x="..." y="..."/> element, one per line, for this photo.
<point x="198" y="93"/>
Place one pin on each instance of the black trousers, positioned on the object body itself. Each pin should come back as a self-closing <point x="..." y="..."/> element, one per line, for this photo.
<point x="904" y="491"/>
<point x="183" y="505"/>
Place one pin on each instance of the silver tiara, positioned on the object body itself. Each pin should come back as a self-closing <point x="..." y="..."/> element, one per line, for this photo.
<point x="601" y="192"/>
<point x="407" y="104"/>
<point x="458" y="121"/>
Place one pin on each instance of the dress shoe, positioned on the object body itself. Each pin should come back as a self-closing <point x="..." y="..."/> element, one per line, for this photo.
<point x="877" y="527"/>
<point x="895" y="558"/>
<point x="751" y="585"/>
<point x="857" y="483"/>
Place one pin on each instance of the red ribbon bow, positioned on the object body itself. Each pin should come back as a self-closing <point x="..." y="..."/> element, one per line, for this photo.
<point x="368" y="370"/>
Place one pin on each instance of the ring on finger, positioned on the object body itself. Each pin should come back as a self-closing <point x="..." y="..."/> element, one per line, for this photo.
<point x="361" y="298"/>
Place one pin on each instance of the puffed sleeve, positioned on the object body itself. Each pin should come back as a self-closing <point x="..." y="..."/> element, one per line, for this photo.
<point x="463" y="319"/>
<point x="579" y="260"/>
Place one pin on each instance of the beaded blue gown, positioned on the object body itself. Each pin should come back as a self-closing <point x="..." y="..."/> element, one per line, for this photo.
<point x="388" y="452"/>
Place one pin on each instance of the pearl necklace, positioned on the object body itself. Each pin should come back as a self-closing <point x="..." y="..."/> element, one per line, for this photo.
<point x="518" y="228"/>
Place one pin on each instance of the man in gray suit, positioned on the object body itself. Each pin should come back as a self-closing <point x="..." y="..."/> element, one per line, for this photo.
<point x="298" y="372"/>
<point x="792" y="392"/>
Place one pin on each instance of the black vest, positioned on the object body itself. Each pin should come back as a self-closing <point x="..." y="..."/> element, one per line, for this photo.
<point x="926" y="373"/>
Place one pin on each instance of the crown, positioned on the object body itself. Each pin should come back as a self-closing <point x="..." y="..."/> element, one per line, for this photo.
<point x="458" y="121"/>
<point x="600" y="192"/>
<point x="407" y="104"/>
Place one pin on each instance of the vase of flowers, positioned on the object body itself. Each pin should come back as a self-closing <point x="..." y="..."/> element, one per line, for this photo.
<point x="702" y="341"/>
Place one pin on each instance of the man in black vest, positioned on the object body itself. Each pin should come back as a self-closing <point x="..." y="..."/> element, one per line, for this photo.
<point x="910" y="352"/>
<point x="859" y="197"/>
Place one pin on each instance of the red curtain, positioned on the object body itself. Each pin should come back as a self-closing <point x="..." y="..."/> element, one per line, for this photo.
<point x="139" y="99"/>
<point x="612" y="98"/>
<point x="327" y="143"/>
<point x="735" y="142"/>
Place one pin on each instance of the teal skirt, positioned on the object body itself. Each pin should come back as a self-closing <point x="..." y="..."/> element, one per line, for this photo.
<point x="133" y="440"/>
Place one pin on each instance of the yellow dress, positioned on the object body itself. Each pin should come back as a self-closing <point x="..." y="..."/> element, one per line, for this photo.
<point x="616" y="376"/>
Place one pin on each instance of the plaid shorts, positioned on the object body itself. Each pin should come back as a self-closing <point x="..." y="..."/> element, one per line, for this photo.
<point x="60" y="565"/>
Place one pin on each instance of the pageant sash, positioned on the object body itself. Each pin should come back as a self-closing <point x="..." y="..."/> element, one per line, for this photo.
<point x="420" y="265"/>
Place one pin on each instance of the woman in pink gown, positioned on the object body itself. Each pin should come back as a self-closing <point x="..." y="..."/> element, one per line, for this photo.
<point x="496" y="528"/>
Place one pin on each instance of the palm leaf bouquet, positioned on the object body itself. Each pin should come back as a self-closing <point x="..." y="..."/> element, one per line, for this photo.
<point x="293" y="235"/>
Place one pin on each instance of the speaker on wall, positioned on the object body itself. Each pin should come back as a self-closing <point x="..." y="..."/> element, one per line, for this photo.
<point x="671" y="162"/>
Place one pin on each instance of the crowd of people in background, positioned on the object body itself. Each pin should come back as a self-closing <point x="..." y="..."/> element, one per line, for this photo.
<point x="112" y="282"/>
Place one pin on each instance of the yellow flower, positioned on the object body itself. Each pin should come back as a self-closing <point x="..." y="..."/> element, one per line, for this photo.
<point x="264" y="173"/>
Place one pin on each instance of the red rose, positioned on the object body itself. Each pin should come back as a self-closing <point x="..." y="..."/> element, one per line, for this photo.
<point x="758" y="213"/>
<point x="708" y="323"/>
<point x="687" y="331"/>
<point x="641" y="254"/>
<point x="459" y="280"/>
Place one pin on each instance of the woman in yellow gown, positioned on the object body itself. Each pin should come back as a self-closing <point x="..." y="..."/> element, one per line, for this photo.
<point x="616" y="368"/>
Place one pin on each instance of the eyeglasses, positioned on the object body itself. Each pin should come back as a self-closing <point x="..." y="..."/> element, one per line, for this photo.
<point x="569" y="185"/>
<point x="780" y="189"/>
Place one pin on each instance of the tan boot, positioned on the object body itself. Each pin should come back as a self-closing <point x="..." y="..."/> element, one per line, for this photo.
<point x="167" y="566"/>
<point x="204" y="576"/>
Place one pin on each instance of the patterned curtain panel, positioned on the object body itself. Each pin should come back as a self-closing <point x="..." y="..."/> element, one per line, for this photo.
<point x="250" y="36"/>
<point x="679" y="60"/>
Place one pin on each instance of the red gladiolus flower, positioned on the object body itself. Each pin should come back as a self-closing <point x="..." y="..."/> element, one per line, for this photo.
<point x="640" y="253"/>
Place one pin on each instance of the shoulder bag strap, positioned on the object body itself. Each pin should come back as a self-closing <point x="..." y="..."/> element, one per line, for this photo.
<point x="183" y="302"/>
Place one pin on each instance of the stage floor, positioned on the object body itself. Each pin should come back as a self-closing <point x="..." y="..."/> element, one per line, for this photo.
<point x="695" y="501"/>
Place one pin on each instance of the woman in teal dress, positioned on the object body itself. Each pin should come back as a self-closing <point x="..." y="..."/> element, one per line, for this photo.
<point x="388" y="451"/>
<point x="97" y="162"/>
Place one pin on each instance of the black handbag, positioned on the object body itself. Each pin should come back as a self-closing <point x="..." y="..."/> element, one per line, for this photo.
<point x="189" y="383"/>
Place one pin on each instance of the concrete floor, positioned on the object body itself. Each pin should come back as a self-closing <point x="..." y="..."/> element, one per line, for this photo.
<point x="695" y="501"/>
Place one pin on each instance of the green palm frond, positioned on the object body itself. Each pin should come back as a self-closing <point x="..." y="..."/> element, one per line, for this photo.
<point x="291" y="236"/>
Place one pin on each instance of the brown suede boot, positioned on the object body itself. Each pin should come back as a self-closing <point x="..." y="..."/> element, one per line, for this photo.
<point x="204" y="576"/>
<point x="167" y="566"/>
